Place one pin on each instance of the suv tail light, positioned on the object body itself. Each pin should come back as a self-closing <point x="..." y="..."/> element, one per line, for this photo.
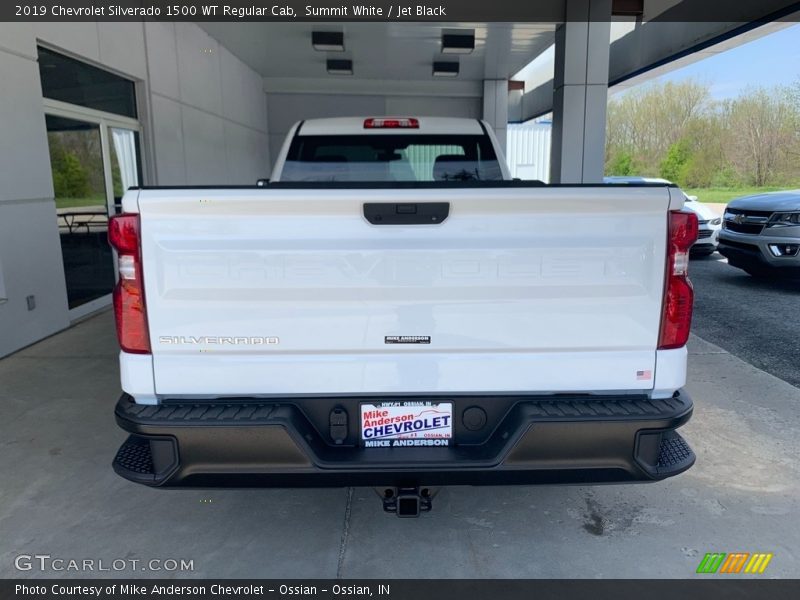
<point x="129" y="304"/>
<point x="391" y="124"/>
<point x="676" y="318"/>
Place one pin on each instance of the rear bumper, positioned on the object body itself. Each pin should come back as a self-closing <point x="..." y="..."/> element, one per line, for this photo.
<point x="526" y="440"/>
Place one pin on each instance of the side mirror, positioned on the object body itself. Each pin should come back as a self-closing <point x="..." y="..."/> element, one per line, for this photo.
<point x="692" y="198"/>
<point x="262" y="183"/>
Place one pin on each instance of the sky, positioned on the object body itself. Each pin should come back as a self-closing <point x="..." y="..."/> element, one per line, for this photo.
<point x="771" y="60"/>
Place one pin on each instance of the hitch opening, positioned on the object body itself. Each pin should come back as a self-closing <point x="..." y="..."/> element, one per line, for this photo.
<point x="407" y="502"/>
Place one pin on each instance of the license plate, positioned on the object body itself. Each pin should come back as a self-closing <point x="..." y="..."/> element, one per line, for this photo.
<point x="406" y="424"/>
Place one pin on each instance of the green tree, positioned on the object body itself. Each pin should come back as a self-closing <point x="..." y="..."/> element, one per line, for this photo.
<point x="675" y="163"/>
<point x="70" y="178"/>
<point x="762" y="138"/>
<point x="647" y="121"/>
<point x="621" y="164"/>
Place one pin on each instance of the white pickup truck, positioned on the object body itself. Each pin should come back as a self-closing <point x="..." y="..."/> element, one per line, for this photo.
<point x="390" y="310"/>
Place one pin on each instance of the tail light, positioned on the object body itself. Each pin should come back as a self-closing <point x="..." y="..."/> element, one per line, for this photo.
<point x="391" y="123"/>
<point x="676" y="318"/>
<point x="129" y="304"/>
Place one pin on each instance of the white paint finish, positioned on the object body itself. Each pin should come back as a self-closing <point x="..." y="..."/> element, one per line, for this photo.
<point x="76" y="37"/>
<point x="168" y="142"/>
<point x="31" y="252"/>
<point x="676" y="198"/>
<point x="670" y="371"/>
<point x="427" y="125"/>
<point x="243" y="97"/>
<point x="18" y="38"/>
<point x="204" y="148"/>
<point x="275" y="145"/>
<point x="247" y="157"/>
<point x="510" y="302"/>
<point x="162" y="58"/>
<point x="136" y="377"/>
<point x="122" y="47"/>
<point x="199" y="68"/>
<point x="24" y="156"/>
<point x="211" y="375"/>
<point x="130" y="201"/>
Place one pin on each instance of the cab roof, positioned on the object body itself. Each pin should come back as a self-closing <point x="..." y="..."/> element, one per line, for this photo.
<point x="355" y="126"/>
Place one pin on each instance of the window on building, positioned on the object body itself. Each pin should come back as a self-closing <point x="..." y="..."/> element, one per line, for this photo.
<point x="69" y="80"/>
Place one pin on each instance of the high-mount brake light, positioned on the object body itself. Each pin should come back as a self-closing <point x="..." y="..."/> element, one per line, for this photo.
<point x="405" y="123"/>
<point x="676" y="316"/>
<point x="129" y="305"/>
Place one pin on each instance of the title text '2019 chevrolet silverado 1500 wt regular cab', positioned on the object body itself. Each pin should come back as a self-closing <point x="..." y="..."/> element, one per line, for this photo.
<point x="391" y="311"/>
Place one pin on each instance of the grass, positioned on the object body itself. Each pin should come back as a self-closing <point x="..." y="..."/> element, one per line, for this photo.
<point x="725" y="195"/>
<point x="98" y="200"/>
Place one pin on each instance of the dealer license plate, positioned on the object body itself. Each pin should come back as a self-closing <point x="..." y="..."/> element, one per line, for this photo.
<point x="406" y="424"/>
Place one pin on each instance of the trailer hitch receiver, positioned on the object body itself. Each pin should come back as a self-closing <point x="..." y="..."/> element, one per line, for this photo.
<point x="407" y="502"/>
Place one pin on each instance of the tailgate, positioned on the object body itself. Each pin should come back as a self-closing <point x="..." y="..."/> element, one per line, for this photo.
<point x="521" y="289"/>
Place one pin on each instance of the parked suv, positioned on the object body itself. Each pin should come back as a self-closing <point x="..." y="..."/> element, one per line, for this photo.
<point x="709" y="224"/>
<point x="761" y="234"/>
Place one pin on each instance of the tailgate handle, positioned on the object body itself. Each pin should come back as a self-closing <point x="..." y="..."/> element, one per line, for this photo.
<point x="406" y="213"/>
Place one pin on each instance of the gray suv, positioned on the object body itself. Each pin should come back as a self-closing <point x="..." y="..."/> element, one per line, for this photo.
<point x="761" y="234"/>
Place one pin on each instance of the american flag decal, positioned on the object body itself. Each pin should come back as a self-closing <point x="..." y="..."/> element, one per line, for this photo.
<point x="644" y="375"/>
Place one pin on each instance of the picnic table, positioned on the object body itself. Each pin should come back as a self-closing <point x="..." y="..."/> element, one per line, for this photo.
<point x="75" y="219"/>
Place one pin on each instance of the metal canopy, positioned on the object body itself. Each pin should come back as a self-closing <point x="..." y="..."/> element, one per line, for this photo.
<point x="283" y="52"/>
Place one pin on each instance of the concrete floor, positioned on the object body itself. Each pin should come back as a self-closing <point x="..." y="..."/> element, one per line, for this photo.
<point x="60" y="497"/>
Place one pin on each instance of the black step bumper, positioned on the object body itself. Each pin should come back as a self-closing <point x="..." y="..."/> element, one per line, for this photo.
<point x="526" y="440"/>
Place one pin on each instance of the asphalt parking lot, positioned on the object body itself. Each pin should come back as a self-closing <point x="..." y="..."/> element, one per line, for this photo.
<point x="60" y="497"/>
<point x="755" y="319"/>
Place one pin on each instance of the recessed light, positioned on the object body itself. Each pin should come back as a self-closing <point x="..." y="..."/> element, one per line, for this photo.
<point x="445" y="69"/>
<point x="327" y="41"/>
<point x="340" y="66"/>
<point x="458" y="43"/>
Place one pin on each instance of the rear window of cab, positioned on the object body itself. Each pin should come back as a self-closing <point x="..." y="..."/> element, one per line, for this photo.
<point x="387" y="158"/>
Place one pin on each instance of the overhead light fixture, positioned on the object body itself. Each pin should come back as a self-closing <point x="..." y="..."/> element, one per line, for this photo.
<point x="327" y="41"/>
<point x="458" y="43"/>
<point x="337" y="66"/>
<point x="445" y="69"/>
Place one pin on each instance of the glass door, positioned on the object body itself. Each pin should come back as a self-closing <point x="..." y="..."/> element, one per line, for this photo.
<point x="94" y="159"/>
<point x="79" y="182"/>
